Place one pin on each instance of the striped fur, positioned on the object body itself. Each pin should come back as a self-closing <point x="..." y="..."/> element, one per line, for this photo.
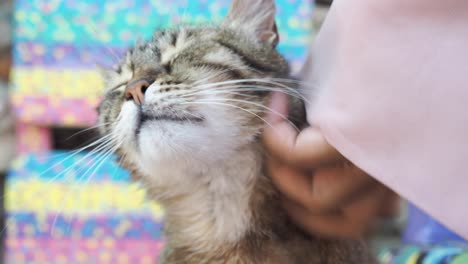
<point x="194" y="141"/>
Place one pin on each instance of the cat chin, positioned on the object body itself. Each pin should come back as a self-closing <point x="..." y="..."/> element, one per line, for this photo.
<point x="177" y="146"/>
<point x="172" y="142"/>
<point x="163" y="141"/>
<point x="176" y="154"/>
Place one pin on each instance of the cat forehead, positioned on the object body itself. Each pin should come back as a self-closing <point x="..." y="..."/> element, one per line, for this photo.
<point x="167" y="44"/>
<point x="222" y="47"/>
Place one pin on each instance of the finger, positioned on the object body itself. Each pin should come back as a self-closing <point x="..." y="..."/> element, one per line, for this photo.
<point x="391" y="205"/>
<point x="364" y="213"/>
<point x="337" y="186"/>
<point x="329" y="225"/>
<point x="294" y="184"/>
<point x="307" y="148"/>
<point x="351" y="222"/>
<point x="325" y="190"/>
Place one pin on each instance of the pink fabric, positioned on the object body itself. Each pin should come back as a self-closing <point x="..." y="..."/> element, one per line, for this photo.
<point x="391" y="80"/>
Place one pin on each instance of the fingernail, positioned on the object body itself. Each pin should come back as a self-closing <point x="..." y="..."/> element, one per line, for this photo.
<point x="278" y="107"/>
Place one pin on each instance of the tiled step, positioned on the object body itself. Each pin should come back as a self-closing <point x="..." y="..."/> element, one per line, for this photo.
<point x="70" y="208"/>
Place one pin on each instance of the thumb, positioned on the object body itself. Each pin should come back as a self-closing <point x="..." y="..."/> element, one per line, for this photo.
<point x="307" y="148"/>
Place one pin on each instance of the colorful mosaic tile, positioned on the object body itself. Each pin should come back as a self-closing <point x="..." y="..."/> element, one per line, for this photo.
<point x="445" y="253"/>
<point x="67" y="207"/>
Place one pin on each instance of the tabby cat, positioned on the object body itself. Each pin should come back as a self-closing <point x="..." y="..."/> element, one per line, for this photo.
<point x="184" y="112"/>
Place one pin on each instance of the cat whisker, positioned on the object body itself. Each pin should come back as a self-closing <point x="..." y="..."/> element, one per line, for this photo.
<point x="254" y="88"/>
<point x="301" y="83"/>
<point x="103" y="156"/>
<point x="102" y="141"/>
<point x="242" y="88"/>
<point x="249" y="82"/>
<point x="191" y="114"/>
<point x="233" y="106"/>
<point x="87" y="129"/>
<point x="99" y="161"/>
<point x="219" y="91"/>
<point x="264" y="108"/>
<point x="105" y="144"/>
<point x="229" y="92"/>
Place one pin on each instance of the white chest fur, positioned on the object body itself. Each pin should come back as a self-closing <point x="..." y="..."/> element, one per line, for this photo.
<point x="208" y="206"/>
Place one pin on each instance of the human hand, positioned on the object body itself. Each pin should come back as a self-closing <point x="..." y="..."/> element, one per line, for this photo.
<point x="323" y="192"/>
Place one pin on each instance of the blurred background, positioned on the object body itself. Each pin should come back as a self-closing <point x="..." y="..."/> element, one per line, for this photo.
<point x="64" y="203"/>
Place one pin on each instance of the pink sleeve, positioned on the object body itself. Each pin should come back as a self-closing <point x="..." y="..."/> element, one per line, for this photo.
<point x="390" y="85"/>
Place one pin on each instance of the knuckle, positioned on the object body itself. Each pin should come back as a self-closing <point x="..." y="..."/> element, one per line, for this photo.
<point x="324" y="200"/>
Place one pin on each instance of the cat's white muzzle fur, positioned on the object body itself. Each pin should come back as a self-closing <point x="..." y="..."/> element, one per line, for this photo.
<point x="176" y="145"/>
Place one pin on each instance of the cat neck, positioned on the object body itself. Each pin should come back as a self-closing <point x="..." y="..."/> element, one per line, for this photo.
<point x="232" y="212"/>
<point x="224" y="204"/>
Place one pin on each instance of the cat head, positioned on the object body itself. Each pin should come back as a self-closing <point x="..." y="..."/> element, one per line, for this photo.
<point x="194" y="94"/>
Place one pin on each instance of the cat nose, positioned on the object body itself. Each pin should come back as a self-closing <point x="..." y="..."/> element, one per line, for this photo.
<point x="136" y="90"/>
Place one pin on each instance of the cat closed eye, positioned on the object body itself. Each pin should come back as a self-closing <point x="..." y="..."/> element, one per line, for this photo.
<point x="167" y="68"/>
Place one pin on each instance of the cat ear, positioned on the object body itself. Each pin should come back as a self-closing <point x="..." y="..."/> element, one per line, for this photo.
<point x="256" y="16"/>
